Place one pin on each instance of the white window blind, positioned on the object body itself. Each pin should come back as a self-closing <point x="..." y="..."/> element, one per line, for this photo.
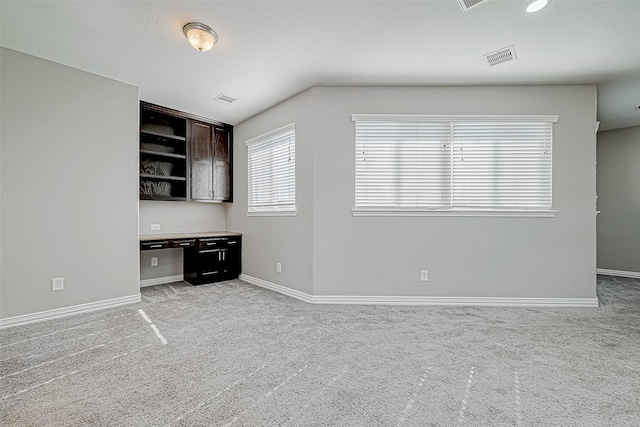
<point x="497" y="165"/>
<point x="402" y="164"/>
<point x="453" y="163"/>
<point x="271" y="161"/>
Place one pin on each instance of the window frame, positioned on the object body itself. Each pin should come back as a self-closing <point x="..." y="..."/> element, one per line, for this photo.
<point x="450" y="210"/>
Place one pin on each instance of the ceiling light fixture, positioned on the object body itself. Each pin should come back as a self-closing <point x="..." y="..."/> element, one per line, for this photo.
<point x="536" y="5"/>
<point x="201" y="36"/>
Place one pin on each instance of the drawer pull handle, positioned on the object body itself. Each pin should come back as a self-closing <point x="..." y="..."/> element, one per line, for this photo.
<point x="209" y="251"/>
<point x="211" y="244"/>
<point x="185" y="244"/>
<point x="207" y="273"/>
<point x="233" y="242"/>
<point x="155" y="246"/>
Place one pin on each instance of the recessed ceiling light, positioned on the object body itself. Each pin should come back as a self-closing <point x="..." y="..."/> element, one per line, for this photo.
<point x="536" y="5"/>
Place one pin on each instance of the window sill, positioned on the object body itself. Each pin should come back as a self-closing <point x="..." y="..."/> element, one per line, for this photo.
<point x="272" y="213"/>
<point x="458" y="213"/>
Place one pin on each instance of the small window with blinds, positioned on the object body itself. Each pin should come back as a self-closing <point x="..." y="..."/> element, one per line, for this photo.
<point x="272" y="173"/>
<point x="453" y="165"/>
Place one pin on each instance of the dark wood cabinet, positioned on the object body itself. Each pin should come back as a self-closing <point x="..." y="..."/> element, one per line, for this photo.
<point x="207" y="258"/>
<point x="213" y="259"/>
<point x="211" y="162"/>
<point x="184" y="157"/>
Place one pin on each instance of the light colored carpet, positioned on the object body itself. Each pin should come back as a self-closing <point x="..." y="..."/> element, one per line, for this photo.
<point x="238" y="355"/>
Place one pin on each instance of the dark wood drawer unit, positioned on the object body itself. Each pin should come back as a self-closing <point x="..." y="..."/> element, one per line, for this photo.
<point x="207" y="259"/>
<point x="156" y="244"/>
<point x="187" y="243"/>
<point x="209" y="243"/>
<point x="212" y="260"/>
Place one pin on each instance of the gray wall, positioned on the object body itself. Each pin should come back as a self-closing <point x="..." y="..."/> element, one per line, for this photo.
<point x="268" y="240"/>
<point x="618" y="184"/>
<point x="175" y="217"/>
<point x="468" y="257"/>
<point x="69" y="179"/>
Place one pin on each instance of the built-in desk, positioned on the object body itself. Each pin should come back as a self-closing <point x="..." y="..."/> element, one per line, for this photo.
<point x="208" y="256"/>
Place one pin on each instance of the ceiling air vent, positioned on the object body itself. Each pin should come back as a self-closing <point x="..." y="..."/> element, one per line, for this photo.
<point x="224" y="99"/>
<point x="499" y="56"/>
<point x="467" y="5"/>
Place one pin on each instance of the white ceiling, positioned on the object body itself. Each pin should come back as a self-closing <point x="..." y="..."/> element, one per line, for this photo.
<point x="271" y="50"/>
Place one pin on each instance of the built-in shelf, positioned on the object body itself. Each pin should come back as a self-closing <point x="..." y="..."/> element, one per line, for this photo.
<point x="163" y="198"/>
<point x="163" y="177"/>
<point x="164" y="155"/>
<point x="163" y="135"/>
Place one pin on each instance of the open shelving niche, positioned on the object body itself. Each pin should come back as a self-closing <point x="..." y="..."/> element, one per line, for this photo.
<point x="163" y="156"/>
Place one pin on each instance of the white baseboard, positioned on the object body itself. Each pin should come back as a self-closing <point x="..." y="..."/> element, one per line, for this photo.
<point x="457" y="301"/>
<point x="278" y="288"/>
<point x="619" y="273"/>
<point x="421" y="300"/>
<point x="67" y="311"/>
<point x="161" y="280"/>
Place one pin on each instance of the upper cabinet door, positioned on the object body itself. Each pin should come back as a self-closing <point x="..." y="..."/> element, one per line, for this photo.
<point x="201" y="161"/>
<point x="222" y="161"/>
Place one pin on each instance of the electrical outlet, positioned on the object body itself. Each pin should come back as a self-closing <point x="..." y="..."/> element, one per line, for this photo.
<point x="57" y="284"/>
<point x="154" y="261"/>
<point x="278" y="267"/>
<point x="424" y="275"/>
<point x="155" y="227"/>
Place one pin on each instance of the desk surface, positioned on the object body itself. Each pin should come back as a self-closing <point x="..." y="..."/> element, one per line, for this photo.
<point x="194" y="235"/>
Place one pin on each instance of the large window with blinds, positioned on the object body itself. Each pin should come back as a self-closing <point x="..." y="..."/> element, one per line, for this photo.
<point x="453" y="165"/>
<point x="272" y="172"/>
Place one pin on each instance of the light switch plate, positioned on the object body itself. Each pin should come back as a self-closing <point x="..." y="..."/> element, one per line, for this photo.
<point x="155" y="227"/>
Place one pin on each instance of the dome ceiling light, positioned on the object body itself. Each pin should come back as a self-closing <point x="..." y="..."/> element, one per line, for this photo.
<point x="201" y="36"/>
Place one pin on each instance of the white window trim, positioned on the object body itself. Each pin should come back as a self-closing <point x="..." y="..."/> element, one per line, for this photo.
<point x="271" y="212"/>
<point x="436" y="118"/>
<point x="457" y="213"/>
<point x="453" y="212"/>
